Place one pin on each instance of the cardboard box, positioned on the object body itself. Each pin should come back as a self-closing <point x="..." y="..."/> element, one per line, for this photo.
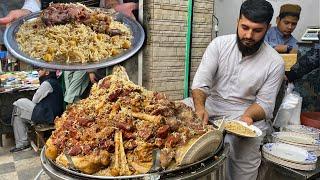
<point x="289" y="60"/>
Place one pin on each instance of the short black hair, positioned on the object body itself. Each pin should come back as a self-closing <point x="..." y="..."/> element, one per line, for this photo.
<point x="258" y="11"/>
<point x="284" y="14"/>
<point x="52" y="74"/>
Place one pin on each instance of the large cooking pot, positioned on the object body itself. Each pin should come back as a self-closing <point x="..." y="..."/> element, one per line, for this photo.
<point x="213" y="164"/>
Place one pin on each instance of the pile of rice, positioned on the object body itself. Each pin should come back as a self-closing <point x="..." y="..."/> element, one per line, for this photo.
<point x="236" y="127"/>
<point x="73" y="43"/>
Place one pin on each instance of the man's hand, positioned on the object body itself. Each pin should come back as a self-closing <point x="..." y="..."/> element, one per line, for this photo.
<point x="92" y="77"/>
<point x="247" y="119"/>
<point x="13" y="15"/>
<point x="253" y="113"/>
<point x="199" y="99"/>
<point x="127" y="8"/>
<point x="281" y="48"/>
<point x="284" y="49"/>
<point x="203" y="115"/>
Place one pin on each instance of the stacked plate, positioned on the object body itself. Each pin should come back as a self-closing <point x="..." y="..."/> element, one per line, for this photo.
<point x="304" y="141"/>
<point x="290" y="156"/>
<point x="314" y="132"/>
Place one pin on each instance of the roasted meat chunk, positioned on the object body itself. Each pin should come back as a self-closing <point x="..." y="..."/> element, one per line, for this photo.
<point x="60" y="13"/>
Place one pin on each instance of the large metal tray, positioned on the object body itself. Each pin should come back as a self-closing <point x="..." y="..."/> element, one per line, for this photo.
<point x="47" y="163"/>
<point x="136" y="43"/>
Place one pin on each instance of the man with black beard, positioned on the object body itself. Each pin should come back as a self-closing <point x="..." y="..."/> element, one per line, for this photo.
<point x="248" y="49"/>
<point x="45" y="106"/>
<point x="238" y="78"/>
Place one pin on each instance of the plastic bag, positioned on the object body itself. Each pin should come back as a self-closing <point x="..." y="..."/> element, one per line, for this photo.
<point x="290" y="109"/>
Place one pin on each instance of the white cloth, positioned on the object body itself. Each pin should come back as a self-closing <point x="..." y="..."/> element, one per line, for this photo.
<point x="233" y="83"/>
<point x="31" y="5"/>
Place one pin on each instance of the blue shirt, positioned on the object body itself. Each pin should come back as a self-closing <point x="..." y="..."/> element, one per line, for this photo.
<point x="274" y="37"/>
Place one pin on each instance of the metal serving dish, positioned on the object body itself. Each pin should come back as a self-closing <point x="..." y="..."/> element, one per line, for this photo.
<point x="197" y="169"/>
<point x="12" y="45"/>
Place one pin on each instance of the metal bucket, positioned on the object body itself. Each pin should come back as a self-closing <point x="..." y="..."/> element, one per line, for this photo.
<point x="212" y="167"/>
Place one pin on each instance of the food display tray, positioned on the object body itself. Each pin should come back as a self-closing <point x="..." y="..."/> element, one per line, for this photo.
<point x="136" y="43"/>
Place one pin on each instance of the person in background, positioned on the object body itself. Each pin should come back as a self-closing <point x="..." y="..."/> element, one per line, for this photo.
<point x="46" y="105"/>
<point x="239" y="78"/>
<point x="76" y="83"/>
<point x="305" y="64"/>
<point x="305" y="74"/>
<point x="280" y="36"/>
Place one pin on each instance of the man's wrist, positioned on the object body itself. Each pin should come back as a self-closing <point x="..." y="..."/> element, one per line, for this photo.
<point x="198" y="107"/>
<point x="247" y="119"/>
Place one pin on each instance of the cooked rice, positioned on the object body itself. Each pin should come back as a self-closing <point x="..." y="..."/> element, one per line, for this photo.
<point x="71" y="42"/>
<point x="238" y="128"/>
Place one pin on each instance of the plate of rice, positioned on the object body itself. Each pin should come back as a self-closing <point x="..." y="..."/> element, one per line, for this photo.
<point x="84" y="38"/>
<point x="241" y="128"/>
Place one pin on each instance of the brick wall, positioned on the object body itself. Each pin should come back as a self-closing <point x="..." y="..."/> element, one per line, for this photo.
<point x="165" y="22"/>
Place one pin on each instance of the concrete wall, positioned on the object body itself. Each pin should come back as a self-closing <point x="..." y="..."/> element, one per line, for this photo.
<point x="165" y="22"/>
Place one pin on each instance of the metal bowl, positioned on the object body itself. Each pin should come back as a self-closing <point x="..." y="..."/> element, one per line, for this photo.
<point x="136" y="43"/>
<point x="197" y="169"/>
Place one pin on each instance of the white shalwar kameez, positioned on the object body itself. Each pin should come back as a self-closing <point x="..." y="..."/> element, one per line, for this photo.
<point x="232" y="83"/>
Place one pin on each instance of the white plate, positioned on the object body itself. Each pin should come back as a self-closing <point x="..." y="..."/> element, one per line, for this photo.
<point x="198" y="148"/>
<point x="252" y="127"/>
<point x="314" y="148"/>
<point x="305" y="167"/>
<point x="290" y="153"/>
<point x="296" y="138"/>
<point x="314" y="132"/>
<point x="304" y="146"/>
